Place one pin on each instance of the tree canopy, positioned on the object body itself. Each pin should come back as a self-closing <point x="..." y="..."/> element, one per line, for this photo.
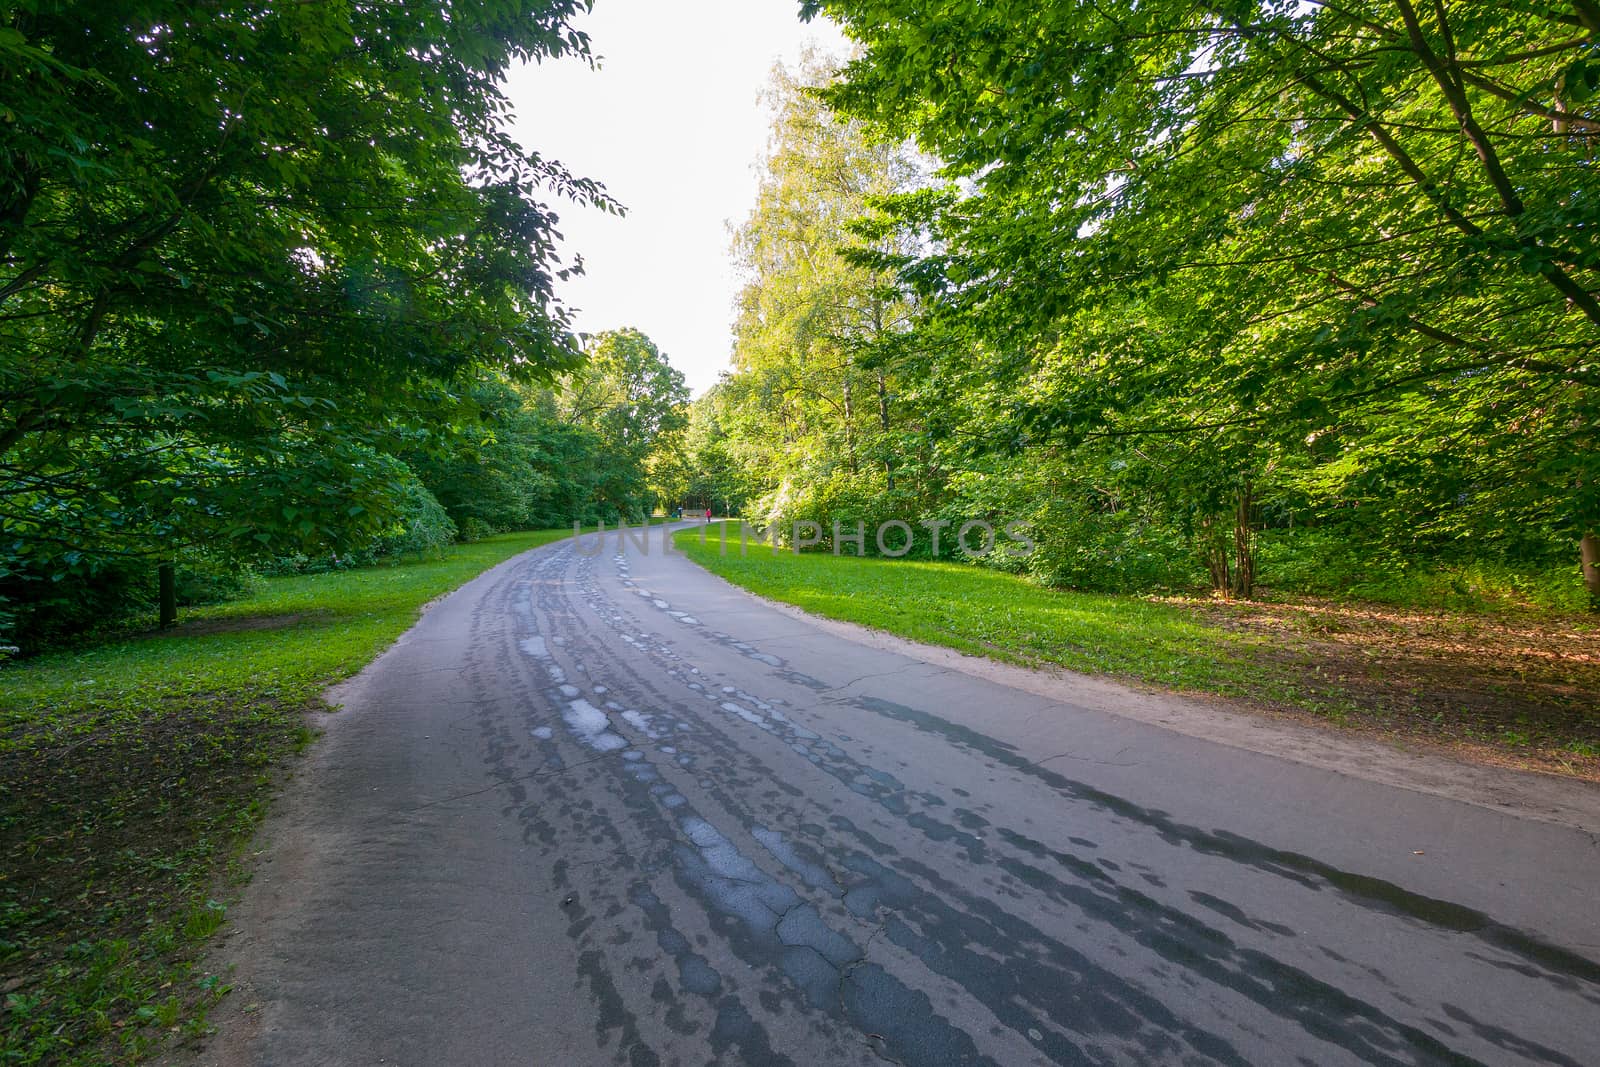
<point x="1187" y="271"/>
<point x="276" y="283"/>
<point x="634" y="401"/>
<point x="237" y="242"/>
<point x="1158" y="277"/>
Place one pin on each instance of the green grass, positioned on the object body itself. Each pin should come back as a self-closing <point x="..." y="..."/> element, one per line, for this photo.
<point x="131" y="772"/>
<point x="984" y="611"/>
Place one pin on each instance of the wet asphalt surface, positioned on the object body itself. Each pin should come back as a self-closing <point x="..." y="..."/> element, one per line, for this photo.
<point x="606" y="809"/>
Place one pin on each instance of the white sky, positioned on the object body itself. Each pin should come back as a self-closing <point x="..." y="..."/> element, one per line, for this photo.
<point x="670" y="123"/>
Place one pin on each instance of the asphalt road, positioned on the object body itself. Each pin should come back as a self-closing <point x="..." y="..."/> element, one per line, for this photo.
<point x="608" y="809"/>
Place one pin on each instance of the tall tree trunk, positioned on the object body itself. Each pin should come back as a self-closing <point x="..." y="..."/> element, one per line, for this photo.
<point x="1589" y="553"/>
<point x="849" y="423"/>
<point x="883" y="420"/>
<point x="1244" y="547"/>
<point x="1215" y="553"/>
<point x="167" y="580"/>
<point x="883" y="390"/>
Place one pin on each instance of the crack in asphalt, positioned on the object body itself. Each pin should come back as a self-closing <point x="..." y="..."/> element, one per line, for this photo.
<point x="884" y="674"/>
<point x="1088" y="759"/>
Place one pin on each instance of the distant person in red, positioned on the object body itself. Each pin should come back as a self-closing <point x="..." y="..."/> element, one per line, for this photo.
<point x="708" y="514"/>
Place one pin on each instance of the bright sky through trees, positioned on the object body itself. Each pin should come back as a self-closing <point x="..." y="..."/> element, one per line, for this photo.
<point x="672" y="125"/>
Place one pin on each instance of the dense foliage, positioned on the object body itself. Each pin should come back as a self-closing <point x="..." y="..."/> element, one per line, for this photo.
<point x="275" y="281"/>
<point x="635" y="402"/>
<point x="1192" y="271"/>
<point x="808" y="427"/>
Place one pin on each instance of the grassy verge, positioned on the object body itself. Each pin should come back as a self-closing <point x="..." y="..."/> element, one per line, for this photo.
<point x="1516" y="688"/>
<point x="130" y="772"/>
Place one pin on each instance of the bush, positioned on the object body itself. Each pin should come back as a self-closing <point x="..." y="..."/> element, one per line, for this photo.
<point x="93" y="596"/>
<point x="96" y="597"/>
<point x="207" y="579"/>
<point x="1124" y="551"/>
<point x="1323" y="562"/>
<point x="844" y="499"/>
<point x="422" y="528"/>
<point x="473" y="529"/>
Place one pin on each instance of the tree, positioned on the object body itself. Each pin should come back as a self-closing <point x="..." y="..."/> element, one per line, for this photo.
<point x="669" y="469"/>
<point x="719" y="472"/>
<point x="236" y="242"/>
<point x="1362" y="234"/>
<point x="819" y="338"/>
<point x="632" y="398"/>
<point x="502" y="458"/>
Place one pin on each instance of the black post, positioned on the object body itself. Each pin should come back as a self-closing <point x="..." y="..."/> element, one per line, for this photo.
<point x="168" y="577"/>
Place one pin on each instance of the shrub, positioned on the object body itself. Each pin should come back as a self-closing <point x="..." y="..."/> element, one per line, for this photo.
<point x="92" y="597"/>
<point x="844" y="499"/>
<point x="423" y="527"/>
<point x="1123" y="551"/>
<point x="473" y="529"/>
<point x="204" y="578"/>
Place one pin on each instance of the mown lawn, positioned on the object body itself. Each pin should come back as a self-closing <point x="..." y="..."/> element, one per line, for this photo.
<point x="1515" y="688"/>
<point x="131" y="772"/>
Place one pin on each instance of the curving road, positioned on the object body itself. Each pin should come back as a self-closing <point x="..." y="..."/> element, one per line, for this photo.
<point x="607" y="809"/>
